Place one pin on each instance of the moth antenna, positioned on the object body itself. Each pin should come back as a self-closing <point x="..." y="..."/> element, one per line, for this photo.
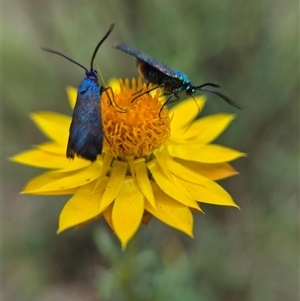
<point x="227" y="99"/>
<point x="207" y="84"/>
<point x="100" y="43"/>
<point x="66" y="57"/>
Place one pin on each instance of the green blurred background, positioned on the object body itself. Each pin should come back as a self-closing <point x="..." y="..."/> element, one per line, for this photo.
<point x="250" y="48"/>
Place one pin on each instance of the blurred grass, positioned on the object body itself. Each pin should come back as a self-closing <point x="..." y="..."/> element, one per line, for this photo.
<point x="252" y="50"/>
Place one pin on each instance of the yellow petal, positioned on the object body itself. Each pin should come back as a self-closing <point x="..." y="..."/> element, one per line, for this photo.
<point x="211" y="153"/>
<point x="215" y="171"/>
<point x="107" y="162"/>
<point x="193" y="171"/>
<point x="181" y="171"/>
<point x="55" y="126"/>
<point x="207" y="191"/>
<point x="70" y="191"/>
<point x="114" y="185"/>
<point x="53" y="181"/>
<point x="107" y="214"/>
<point x="142" y="179"/>
<point x="171" y="212"/>
<point x="72" y="95"/>
<point x="53" y="147"/>
<point x="161" y="162"/>
<point x="207" y="129"/>
<point x="82" y="207"/>
<point x="39" y="158"/>
<point x="127" y="211"/>
<point x="170" y="187"/>
<point x="35" y="184"/>
<point x="58" y="149"/>
<point x="114" y="84"/>
<point x="184" y="112"/>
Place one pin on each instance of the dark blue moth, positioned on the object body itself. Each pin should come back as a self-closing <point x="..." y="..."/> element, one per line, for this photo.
<point x="86" y="130"/>
<point x="172" y="81"/>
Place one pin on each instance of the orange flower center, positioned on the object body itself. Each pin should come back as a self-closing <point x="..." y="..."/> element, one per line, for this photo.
<point x="133" y="128"/>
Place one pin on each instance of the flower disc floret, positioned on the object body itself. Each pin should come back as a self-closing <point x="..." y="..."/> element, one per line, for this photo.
<point x="134" y="127"/>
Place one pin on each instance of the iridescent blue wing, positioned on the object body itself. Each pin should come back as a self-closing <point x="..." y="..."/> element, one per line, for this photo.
<point x="148" y="59"/>
<point x="86" y="132"/>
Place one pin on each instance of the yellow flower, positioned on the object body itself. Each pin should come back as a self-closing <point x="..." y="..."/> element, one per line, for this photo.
<point x="151" y="165"/>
